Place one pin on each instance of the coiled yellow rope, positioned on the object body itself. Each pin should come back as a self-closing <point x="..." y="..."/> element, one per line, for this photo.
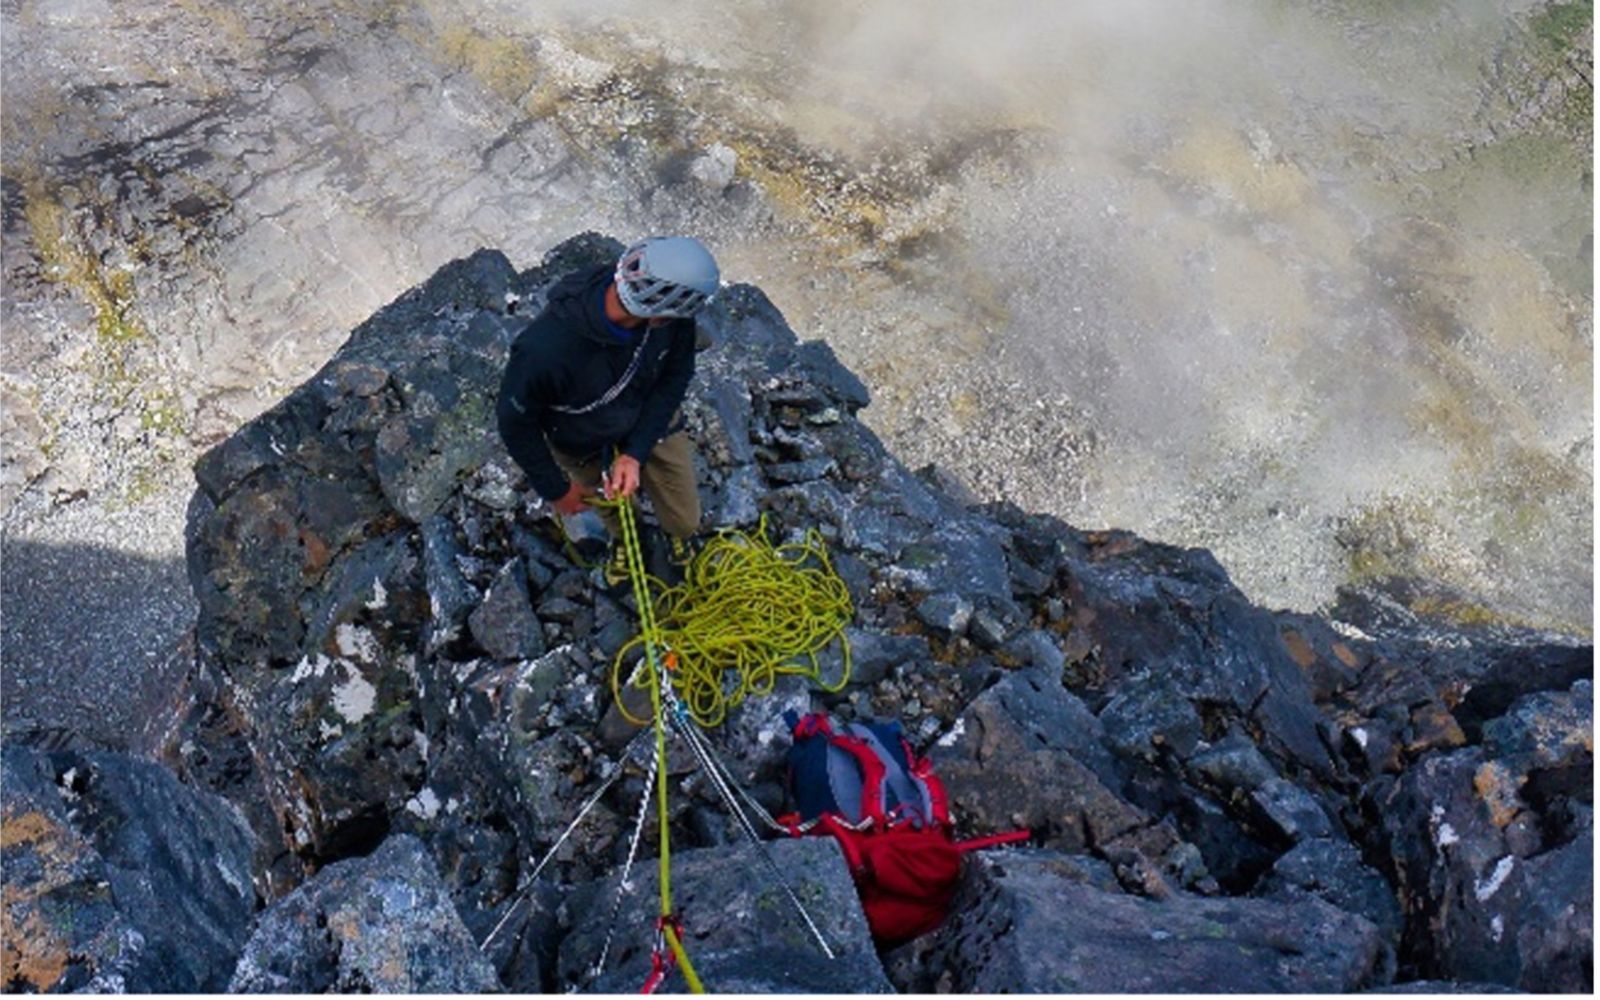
<point x="746" y="612"/>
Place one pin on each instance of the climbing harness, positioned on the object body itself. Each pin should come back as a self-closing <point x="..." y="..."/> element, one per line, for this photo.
<point x="746" y="612"/>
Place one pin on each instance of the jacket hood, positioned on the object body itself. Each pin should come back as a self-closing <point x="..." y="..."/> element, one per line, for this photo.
<point x="576" y="298"/>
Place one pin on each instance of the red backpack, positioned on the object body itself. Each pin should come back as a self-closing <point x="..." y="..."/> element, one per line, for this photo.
<point x="864" y="785"/>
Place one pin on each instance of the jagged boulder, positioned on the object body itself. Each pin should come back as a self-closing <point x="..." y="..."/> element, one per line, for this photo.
<point x="738" y="921"/>
<point x="1490" y="856"/>
<point x="309" y="565"/>
<point x="1034" y="922"/>
<point x="1479" y="670"/>
<point x="117" y="877"/>
<point x="1182" y="654"/>
<point x="1026" y="754"/>
<point x="1333" y="871"/>
<point x="379" y="924"/>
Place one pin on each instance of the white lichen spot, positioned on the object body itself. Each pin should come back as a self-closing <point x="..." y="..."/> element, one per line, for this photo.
<point x="356" y="641"/>
<point x="451" y="806"/>
<point x="1491" y="885"/>
<point x="1497" y="927"/>
<point x="1349" y="631"/>
<point x="329" y="731"/>
<point x="1360" y="736"/>
<point x="309" y="667"/>
<point x="355" y="697"/>
<point x="422" y="743"/>
<point x="1443" y="833"/>
<point x="424" y="804"/>
<point x="955" y="733"/>
<point x="231" y="877"/>
<point x="380" y="597"/>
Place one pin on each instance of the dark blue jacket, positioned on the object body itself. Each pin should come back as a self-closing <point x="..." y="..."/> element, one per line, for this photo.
<point x="570" y="355"/>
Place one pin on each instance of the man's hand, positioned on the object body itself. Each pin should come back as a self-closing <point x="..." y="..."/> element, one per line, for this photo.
<point x="572" y="502"/>
<point x="624" y="477"/>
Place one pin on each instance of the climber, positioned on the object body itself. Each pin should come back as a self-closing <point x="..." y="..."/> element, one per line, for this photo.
<point x="601" y="372"/>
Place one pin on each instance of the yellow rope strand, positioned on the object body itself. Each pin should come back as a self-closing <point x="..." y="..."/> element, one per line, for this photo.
<point x="649" y="635"/>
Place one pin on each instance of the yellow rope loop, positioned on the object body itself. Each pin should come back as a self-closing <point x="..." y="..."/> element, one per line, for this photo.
<point x="746" y="613"/>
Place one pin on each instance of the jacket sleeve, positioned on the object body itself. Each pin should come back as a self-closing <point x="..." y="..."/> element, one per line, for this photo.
<point x="523" y="391"/>
<point x="665" y="397"/>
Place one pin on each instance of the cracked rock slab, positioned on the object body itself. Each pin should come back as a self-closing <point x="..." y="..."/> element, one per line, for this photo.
<point x="379" y="924"/>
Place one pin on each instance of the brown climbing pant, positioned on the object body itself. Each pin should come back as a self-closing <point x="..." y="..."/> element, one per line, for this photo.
<point x="667" y="479"/>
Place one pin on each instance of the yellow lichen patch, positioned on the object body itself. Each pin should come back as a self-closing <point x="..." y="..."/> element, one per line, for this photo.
<point x="1459" y="612"/>
<point x="110" y="294"/>
<point x="1497" y="787"/>
<point x="24" y="829"/>
<point x="1346" y="656"/>
<point x="32" y="953"/>
<point x="223" y="21"/>
<point x="502" y="63"/>
<point x="1299" y="649"/>
<point x="1249" y="176"/>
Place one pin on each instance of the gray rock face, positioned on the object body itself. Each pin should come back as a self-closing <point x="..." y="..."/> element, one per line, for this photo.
<point x="1013" y="760"/>
<point x="311" y="572"/>
<point x="379" y="924"/>
<point x="504" y="625"/>
<point x="117" y="877"/>
<point x="735" y="915"/>
<point x="1028" y="922"/>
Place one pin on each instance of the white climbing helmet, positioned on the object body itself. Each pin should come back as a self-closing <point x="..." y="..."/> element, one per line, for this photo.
<point x="666" y="276"/>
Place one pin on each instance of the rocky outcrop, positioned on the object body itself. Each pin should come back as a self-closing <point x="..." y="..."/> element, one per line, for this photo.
<point x="739" y="923"/>
<point x="1034" y="923"/>
<point x="379" y="924"/>
<point x="1491" y="845"/>
<point x="395" y="640"/>
<point x="117" y="877"/>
